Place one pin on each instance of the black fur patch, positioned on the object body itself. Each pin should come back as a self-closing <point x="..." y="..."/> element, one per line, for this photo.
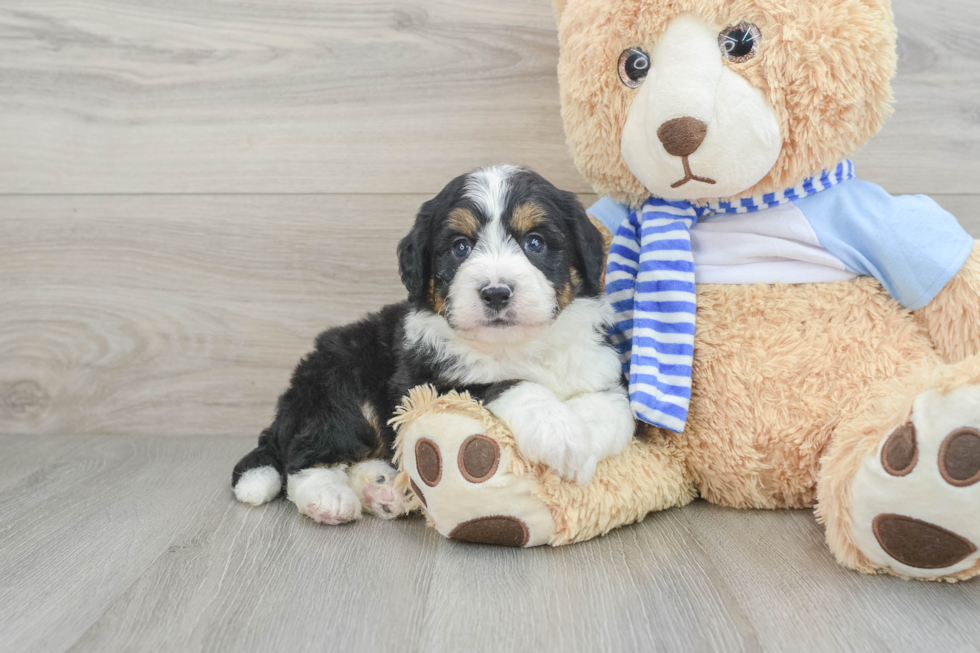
<point x="572" y="240"/>
<point x="320" y="418"/>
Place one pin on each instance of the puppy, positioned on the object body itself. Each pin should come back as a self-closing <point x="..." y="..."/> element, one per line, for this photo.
<point x="504" y="279"/>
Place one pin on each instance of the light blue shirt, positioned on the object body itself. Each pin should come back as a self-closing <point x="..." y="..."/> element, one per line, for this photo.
<point x="908" y="243"/>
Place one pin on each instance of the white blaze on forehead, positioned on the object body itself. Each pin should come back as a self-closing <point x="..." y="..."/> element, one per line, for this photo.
<point x="488" y="189"/>
<point x="496" y="254"/>
<point x="498" y="259"/>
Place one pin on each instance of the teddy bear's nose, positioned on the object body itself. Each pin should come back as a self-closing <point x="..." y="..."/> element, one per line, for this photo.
<point x="682" y="136"/>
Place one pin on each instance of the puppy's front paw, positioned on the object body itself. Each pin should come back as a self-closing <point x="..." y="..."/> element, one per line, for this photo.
<point x="552" y="434"/>
<point x="323" y="495"/>
<point x="333" y="504"/>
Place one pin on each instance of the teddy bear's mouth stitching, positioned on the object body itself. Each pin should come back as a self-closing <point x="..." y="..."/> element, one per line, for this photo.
<point x="690" y="176"/>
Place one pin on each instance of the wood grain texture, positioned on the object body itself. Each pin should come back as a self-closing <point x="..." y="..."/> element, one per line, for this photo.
<point x="211" y="96"/>
<point x="135" y="543"/>
<point x="274" y="96"/>
<point x="185" y="315"/>
<point x="179" y="314"/>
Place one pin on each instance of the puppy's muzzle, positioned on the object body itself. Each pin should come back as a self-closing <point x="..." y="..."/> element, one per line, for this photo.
<point x="496" y="297"/>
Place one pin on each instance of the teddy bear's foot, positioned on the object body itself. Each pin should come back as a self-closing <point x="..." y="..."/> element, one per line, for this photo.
<point x="463" y="477"/>
<point x="916" y="499"/>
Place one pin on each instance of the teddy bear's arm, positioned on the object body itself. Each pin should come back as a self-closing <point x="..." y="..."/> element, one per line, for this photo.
<point x="952" y="318"/>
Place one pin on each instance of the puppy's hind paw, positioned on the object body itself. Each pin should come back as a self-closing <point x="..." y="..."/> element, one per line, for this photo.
<point x="374" y="482"/>
<point x="258" y="485"/>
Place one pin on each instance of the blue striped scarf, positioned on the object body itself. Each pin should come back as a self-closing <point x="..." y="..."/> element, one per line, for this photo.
<point x="650" y="283"/>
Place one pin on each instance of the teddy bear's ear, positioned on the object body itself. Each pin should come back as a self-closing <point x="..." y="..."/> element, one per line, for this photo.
<point x="559" y="7"/>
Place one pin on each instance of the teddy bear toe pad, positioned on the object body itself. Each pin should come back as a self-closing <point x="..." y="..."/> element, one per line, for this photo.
<point x="461" y="478"/>
<point x="916" y="500"/>
<point x="959" y="457"/>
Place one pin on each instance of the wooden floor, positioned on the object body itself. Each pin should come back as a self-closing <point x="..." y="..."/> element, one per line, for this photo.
<point x="135" y="543"/>
<point x="190" y="190"/>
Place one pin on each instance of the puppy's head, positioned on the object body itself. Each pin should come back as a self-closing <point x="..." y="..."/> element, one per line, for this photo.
<point x="501" y="252"/>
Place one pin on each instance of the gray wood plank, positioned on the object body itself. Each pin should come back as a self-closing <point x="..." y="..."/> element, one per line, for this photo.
<point x="283" y="96"/>
<point x="137" y="544"/>
<point x="22" y="457"/>
<point x="240" y="578"/>
<point x="76" y="533"/>
<point x="367" y="97"/>
<point x="176" y="315"/>
<point x="782" y="574"/>
<point x="964" y="207"/>
<point x="935" y="130"/>
<point x="637" y="589"/>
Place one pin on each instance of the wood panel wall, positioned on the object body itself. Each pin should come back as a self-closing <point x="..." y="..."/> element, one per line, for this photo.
<point x="191" y="190"/>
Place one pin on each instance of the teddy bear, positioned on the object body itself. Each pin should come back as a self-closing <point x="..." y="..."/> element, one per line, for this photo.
<point x="793" y="336"/>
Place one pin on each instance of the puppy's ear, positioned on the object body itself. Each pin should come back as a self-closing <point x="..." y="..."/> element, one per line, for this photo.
<point x="415" y="250"/>
<point x="414" y="256"/>
<point x="590" y="248"/>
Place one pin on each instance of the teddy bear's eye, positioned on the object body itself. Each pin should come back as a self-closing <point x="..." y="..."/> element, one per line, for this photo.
<point x="739" y="43"/>
<point x="634" y="64"/>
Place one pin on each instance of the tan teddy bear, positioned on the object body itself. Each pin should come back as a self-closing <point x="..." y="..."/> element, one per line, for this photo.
<point x="829" y="354"/>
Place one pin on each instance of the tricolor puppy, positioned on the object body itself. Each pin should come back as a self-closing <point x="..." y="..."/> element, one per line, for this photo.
<point x="504" y="276"/>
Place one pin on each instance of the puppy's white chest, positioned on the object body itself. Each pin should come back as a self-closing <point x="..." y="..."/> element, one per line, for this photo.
<point x="569" y="358"/>
<point x="568" y="370"/>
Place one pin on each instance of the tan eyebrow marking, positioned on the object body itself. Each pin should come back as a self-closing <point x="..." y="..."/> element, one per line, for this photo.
<point x="463" y="221"/>
<point x="526" y="217"/>
<point x="437" y="301"/>
<point x="566" y="296"/>
<point x="567" y="293"/>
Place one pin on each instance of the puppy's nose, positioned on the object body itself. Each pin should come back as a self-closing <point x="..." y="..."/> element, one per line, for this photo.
<point x="496" y="297"/>
<point x="682" y="136"/>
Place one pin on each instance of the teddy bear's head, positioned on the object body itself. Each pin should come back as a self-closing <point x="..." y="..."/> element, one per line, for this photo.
<point x="707" y="99"/>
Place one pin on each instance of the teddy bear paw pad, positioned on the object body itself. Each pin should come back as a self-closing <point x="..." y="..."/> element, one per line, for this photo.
<point x="428" y="461"/>
<point x="915" y="501"/>
<point x="959" y="457"/>
<point x="502" y="531"/>
<point x="461" y="476"/>
<point x="478" y="458"/>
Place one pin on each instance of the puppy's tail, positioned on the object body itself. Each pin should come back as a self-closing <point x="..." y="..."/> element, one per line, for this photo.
<point x="257" y="478"/>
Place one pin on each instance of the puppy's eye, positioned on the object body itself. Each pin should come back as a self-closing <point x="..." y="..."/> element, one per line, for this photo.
<point x="634" y="64"/>
<point x="462" y="248"/>
<point x="739" y="43"/>
<point x="535" y="244"/>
